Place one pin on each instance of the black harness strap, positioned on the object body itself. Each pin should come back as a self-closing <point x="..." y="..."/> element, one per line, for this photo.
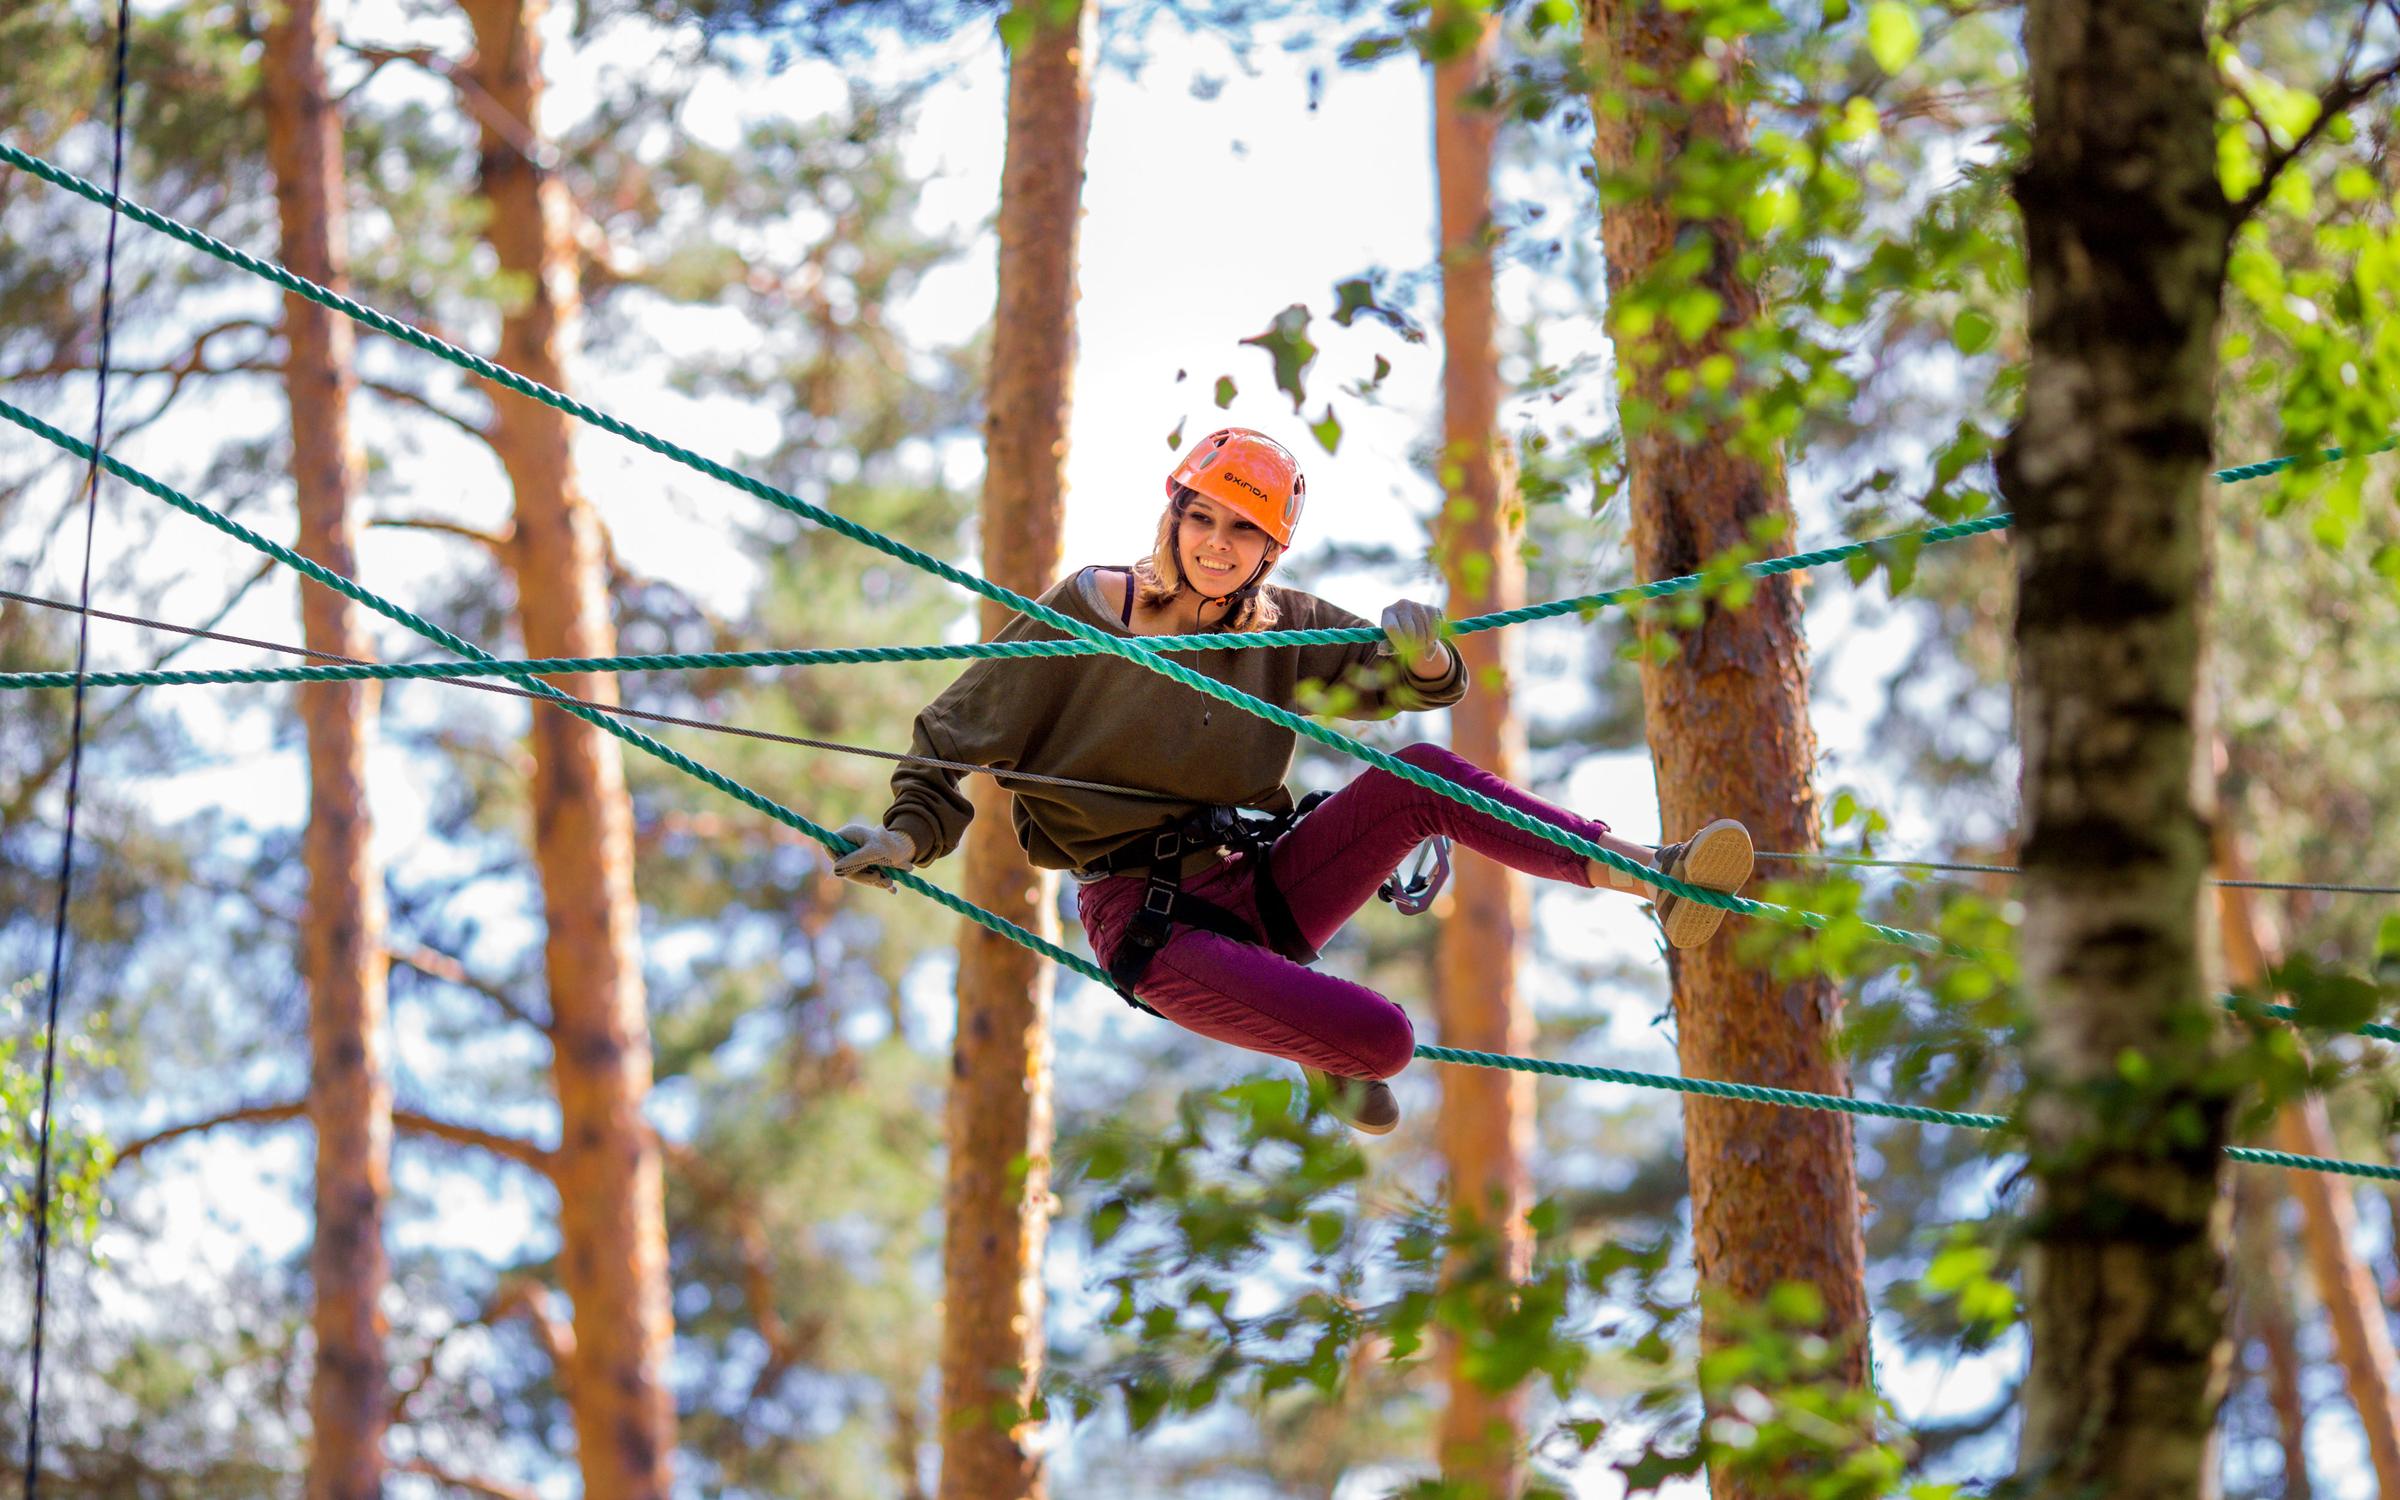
<point x="1165" y="903"/>
<point x="1159" y="854"/>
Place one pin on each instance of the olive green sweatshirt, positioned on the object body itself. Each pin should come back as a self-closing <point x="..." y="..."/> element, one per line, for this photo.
<point x="1104" y="719"/>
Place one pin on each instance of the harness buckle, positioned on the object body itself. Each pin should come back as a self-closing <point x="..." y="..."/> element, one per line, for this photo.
<point x="1168" y="845"/>
<point x="1159" y="900"/>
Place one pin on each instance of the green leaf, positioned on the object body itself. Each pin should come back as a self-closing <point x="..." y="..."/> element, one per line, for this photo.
<point x="1893" y="35"/>
<point x="2328" y="999"/>
<point x="1016" y="28"/>
<point x="1328" y="429"/>
<point x="1225" y="390"/>
<point x="1973" y="332"/>
<point x="1797" y="1304"/>
<point x="1175" y="438"/>
<point x="1287" y="343"/>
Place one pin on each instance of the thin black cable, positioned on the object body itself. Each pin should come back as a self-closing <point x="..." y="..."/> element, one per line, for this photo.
<point x="712" y="727"/>
<point x="66" y="852"/>
<point x="1965" y="869"/>
<point x="619" y="709"/>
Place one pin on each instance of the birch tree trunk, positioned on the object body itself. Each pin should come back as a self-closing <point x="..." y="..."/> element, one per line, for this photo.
<point x="349" y="1089"/>
<point x="612" y="1223"/>
<point x="1774" y="1192"/>
<point x="996" y="1212"/>
<point x="1485" y="1129"/>
<point x="2362" y="1339"/>
<point x="2126" y="232"/>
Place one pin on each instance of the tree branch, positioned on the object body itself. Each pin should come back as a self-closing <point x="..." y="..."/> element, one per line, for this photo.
<point x="479" y="105"/>
<point x="522" y="1296"/>
<point x="409" y="1122"/>
<point x="786" y="1345"/>
<point x="447" y="969"/>
<point x="255" y="1114"/>
<point x="2341" y="96"/>
<point x="405" y="396"/>
<point x="418" y="957"/>
<point x="496" y="543"/>
<point x="491" y="1489"/>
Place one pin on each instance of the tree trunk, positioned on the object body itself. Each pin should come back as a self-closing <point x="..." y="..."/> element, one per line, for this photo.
<point x="2362" y="1339"/>
<point x="349" y="1089"/>
<point x="997" y="1198"/>
<point x="612" y="1223"/>
<point x="1774" y="1192"/>
<point x="1485" y="1129"/>
<point x="2126" y="232"/>
<point x="2266" y="1308"/>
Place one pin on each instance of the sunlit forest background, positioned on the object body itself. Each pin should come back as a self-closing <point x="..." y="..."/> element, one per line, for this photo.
<point x="779" y="223"/>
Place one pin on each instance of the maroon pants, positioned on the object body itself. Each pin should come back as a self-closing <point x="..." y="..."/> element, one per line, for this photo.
<point x="1327" y="868"/>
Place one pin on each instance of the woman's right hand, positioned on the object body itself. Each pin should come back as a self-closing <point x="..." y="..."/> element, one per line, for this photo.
<point x="880" y="851"/>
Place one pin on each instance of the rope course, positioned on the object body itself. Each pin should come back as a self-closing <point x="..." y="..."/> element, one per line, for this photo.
<point x="1083" y="640"/>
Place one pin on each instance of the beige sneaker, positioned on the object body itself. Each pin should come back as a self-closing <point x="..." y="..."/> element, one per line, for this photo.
<point x="1366" y="1105"/>
<point x="1717" y="858"/>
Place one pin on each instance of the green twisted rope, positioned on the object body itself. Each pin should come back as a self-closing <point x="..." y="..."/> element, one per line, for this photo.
<point x="857" y="655"/>
<point x="349" y="589"/>
<point x="1752" y="1093"/>
<point x="2241" y="1007"/>
<point x="1141" y="656"/>
<point x="1113" y="645"/>
<point x="866" y="536"/>
<point x="1787" y="1098"/>
<point x="2262" y="469"/>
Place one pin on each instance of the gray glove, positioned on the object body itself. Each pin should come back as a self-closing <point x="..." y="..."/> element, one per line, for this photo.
<point x="880" y="851"/>
<point x="1415" y="631"/>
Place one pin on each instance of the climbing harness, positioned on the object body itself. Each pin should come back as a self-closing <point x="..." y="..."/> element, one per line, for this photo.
<point x="1166" y="854"/>
<point x="1162" y="855"/>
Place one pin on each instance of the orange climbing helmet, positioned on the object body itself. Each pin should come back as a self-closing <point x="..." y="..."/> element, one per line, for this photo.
<point x="1248" y="472"/>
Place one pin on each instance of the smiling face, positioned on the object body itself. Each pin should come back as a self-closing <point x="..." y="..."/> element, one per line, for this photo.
<point x="1220" y="550"/>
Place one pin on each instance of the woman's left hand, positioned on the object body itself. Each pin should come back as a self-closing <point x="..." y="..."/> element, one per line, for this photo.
<point x="1415" y="631"/>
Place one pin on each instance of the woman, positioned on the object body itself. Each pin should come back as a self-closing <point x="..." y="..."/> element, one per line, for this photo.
<point x="1171" y="888"/>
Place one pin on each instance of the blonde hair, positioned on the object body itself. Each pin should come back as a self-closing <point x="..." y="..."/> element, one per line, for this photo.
<point x="1155" y="578"/>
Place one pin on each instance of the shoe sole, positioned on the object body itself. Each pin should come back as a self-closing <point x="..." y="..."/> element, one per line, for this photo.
<point x="1718" y="858"/>
<point x="1333" y="1104"/>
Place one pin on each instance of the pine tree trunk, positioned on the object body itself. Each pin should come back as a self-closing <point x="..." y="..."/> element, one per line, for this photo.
<point x="1774" y="1192"/>
<point x="1486" y="1125"/>
<point x="349" y="1089"/>
<point x="2266" y="1309"/>
<point x="612" y="1224"/>
<point x="2126" y="232"/>
<point x="2362" y="1339"/>
<point x="996" y="1200"/>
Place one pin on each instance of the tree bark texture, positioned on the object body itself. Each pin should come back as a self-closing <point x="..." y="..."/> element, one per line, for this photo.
<point x="1774" y="1192"/>
<point x="2362" y="1338"/>
<point x="2126" y="232"/>
<point x="2265" y="1309"/>
<point x="349" y="1090"/>
<point x="997" y="1196"/>
<point x="1485" y="1129"/>
<point x="612" y="1223"/>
